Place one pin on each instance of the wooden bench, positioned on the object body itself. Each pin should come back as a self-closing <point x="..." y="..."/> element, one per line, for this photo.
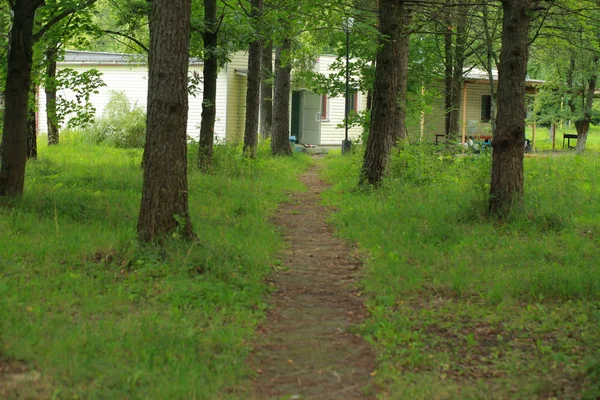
<point x="568" y="137"/>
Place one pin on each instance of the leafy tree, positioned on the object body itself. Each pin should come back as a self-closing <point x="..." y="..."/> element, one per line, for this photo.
<point x="211" y="69"/>
<point x="18" y="79"/>
<point x="164" y="206"/>
<point x="506" y="189"/>
<point x="18" y="83"/>
<point x="389" y="112"/>
<point x="253" y="87"/>
<point x="280" y="145"/>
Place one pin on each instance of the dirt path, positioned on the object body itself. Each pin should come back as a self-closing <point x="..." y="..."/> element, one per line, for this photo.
<point x="306" y="348"/>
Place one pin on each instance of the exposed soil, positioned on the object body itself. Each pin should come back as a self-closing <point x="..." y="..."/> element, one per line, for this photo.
<point x="17" y="381"/>
<point x="308" y="347"/>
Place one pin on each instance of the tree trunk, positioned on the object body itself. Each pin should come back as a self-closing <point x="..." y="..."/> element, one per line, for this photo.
<point x="387" y="113"/>
<point x="253" y="87"/>
<point x="18" y="78"/>
<point x="583" y="126"/>
<point x="164" y="206"/>
<point x="506" y="188"/>
<point x="489" y="43"/>
<point x="209" y="100"/>
<point x="266" y="91"/>
<point x="32" y="124"/>
<point x="457" y="72"/>
<point x="401" y="132"/>
<point x="448" y="72"/>
<point x="280" y="143"/>
<point x="50" y="88"/>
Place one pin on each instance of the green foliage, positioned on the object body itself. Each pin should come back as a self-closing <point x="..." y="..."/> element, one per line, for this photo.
<point x="83" y="85"/>
<point x="121" y="26"/>
<point x="465" y="307"/>
<point x="548" y="105"/>
<point x="100" y="316"/>
<point x="122" y="124"/>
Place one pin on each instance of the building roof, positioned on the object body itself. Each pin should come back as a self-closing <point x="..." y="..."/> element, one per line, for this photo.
<point x="477" y="74"/>
<point x="103" y="58"/>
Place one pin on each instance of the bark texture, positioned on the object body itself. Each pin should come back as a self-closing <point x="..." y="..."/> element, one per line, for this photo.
<point x="280" y="143"/>
<point x="210" y="71"/>
<point x="388" y="110"/>
<point x="32" y="124"/>
<point x="50" y="88"/>
<point x="253" y="87"/>
<point x="266" y="91"/>
<point x="164" y="206"/>
<point x="14" y="138"/>
<point x="506" y="188"/>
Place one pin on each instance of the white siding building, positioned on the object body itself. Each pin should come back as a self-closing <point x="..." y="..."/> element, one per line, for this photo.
<point x="315" y="118"/>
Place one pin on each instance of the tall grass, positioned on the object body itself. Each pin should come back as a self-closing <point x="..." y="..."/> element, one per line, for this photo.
<point x="465" y="307"/>
<point x="101" y="316"/>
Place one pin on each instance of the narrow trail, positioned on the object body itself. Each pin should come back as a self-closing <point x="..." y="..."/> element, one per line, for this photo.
<point x="307" y="348"/>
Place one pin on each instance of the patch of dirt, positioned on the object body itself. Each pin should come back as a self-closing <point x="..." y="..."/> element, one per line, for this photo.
<point x="308" y="347"/>
<point x="17" y="381"/>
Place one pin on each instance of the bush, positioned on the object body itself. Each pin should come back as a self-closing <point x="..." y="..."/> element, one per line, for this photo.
<point x="123" y="124"/>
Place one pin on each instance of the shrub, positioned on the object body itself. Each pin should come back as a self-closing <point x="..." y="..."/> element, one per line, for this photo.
<point x="123" y="124"/>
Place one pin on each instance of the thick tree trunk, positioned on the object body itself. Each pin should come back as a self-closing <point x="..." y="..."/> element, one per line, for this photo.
<point x="50" y="88"/>
<point x="280" y="142"/>
<point x="506" y="188"/>
<point x="32" y="124"/>
<point x="18" y="78"/>
<point x="266" y="91"/>
<point x="210" y="71"/>
<point x="164" y="206"/>
<point x="387" y="114"/>
<point x="253" y="87"/>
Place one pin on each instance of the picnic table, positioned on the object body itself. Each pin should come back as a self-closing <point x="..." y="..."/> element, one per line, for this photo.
<point x="568" y="137"/>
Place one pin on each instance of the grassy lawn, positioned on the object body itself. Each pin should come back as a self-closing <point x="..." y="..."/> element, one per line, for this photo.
<point x="86" y="312"/>
<point x="466" y="308"/>
<point x="543" y="142"/>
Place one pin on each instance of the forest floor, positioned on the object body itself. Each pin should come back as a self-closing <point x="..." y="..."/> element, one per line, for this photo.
<point x="309" y="346"/>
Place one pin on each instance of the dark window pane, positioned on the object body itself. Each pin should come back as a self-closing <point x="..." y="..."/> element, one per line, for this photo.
<point x="486" y="108"/>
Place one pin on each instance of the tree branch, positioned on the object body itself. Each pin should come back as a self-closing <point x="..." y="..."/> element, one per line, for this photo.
<point x="134" y="40"/>
<point x="59" y="17"/>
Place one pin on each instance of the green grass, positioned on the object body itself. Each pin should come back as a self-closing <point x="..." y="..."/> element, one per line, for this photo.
<point x="102" y="317"/>
<point x="543" y="142"/>
<point x="466" y="308"/>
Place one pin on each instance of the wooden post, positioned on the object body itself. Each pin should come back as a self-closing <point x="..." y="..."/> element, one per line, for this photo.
<point x="554" y="137"/>
<point x="533" y="131"/>
<point x="464" y="113"/>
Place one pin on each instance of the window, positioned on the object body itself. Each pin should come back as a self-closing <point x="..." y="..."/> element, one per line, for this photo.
<point x="486" y="108"/>
<point x="324" y="107"/>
